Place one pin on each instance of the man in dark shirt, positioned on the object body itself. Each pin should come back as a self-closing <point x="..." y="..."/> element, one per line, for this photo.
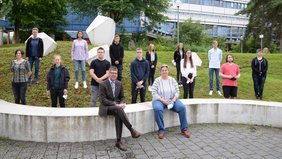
<point x="139" y="71"/>
<point x="98" y="72"/>
<point x="259" y="72"/>
<point x="34" y="53"/>
<point x="117" y="54"/>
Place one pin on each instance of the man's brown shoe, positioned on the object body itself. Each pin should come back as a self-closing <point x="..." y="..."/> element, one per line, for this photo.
<point x="135" y="134"/>
<point x="186" y="133"/>
<point x="120" y="146"/>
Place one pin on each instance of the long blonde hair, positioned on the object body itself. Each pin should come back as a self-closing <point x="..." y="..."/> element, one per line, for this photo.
<point x="151" y="48"/>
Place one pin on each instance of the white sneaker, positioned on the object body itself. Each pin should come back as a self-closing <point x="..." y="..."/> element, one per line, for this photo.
<point x="76" y="85"/>
<point x="218" y="92"/>
<point x="210" y="93"/>
<point x="84" y="84"/>
<point x="150" y="88"/>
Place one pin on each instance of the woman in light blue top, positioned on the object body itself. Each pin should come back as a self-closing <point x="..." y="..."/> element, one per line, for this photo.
<point x="165" y="93"/>
<point x="79" y="55"/>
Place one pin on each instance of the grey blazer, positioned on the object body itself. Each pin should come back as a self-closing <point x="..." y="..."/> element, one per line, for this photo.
<point x="106" y="96"/>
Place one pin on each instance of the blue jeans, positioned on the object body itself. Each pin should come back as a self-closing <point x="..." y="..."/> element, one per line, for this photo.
<point x="258" y="84"/>
<point x="79" y="64"/>
<point x="216" y="70"/>
<point x="178" y="108"/>
<point x="34" y="60"/>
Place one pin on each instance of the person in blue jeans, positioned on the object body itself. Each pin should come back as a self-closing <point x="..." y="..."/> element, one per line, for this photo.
<point x="215" y="57"/>
<point x="34" y="53"/>
<point x="165" y="93"/>
<point x="259" y="72"/>
<point x="79" y="54"/>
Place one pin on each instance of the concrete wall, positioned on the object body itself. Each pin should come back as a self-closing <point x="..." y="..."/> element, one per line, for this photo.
<point x="43" y="124"/>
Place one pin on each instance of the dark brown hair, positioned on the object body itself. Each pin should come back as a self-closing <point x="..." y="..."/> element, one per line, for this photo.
<point x="190" y="58"/>
<point x="22" y="52"/>
<point x="226" y="58"/>
<point x="79" y="32"/>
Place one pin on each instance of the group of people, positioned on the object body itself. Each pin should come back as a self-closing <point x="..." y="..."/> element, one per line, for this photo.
<point x="106" y="79"/>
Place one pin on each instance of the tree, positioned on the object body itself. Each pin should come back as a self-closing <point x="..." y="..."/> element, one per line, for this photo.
<point x="265" y="18"/>
<point x="190" y="32"/>
<point x="5" y="7"/>
<point x="46" y="15"/>
<point x="117" y="9"/>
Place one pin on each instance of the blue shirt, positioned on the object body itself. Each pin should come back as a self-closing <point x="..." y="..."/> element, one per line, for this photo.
<point x="34" y="46"/>
<point x="215" y="56"/>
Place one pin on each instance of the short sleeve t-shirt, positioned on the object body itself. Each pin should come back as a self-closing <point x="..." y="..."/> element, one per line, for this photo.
<point x="100" y="69"/>
<point x="232" y="70"/>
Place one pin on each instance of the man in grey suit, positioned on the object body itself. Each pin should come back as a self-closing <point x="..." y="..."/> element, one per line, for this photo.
<point x="112" y="103"/>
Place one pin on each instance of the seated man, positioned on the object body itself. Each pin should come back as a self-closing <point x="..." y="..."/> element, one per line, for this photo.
<point x="112" y="103"/>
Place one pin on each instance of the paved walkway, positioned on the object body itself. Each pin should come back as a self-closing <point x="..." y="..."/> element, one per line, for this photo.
<point x="207" y="141"/>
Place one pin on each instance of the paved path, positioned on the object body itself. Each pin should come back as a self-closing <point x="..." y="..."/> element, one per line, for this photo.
<point x="207" y="141"/>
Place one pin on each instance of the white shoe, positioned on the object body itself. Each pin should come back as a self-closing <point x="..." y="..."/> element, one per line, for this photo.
<point x="150" y="88"/>
<point x="76" y="85"/>
<point x="210" y="93"/>
<point x="218" y="92"/>
<point x="84" y="84"/>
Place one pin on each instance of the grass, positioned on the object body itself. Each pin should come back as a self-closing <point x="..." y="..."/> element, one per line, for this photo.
<point x="37" y="96"/>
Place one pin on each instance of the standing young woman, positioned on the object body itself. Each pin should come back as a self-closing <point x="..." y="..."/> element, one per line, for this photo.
<point x="189" y="73"/>
<point x="178" y="55"/>
<point x="79" y="55"/>
<point x="21" y="72"/>
<point x="152" y="58"/>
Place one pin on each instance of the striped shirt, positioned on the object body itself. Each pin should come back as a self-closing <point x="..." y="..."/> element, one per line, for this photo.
<point x="20" y="71"/>
<point x="166" y="89"/>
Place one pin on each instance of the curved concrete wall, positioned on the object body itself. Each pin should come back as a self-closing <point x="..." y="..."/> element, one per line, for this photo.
<point x="43" y="124"/>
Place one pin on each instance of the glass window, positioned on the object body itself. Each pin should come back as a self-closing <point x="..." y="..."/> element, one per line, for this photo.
<point x="194" y="1"/>
<point x="207" y="2"/>
<point x="216" y="3"/>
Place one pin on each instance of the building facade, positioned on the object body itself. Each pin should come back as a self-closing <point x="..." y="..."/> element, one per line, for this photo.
<point x="217" y="16"/>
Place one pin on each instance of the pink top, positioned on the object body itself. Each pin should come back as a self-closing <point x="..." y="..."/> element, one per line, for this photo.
<point x="232" y="70"/>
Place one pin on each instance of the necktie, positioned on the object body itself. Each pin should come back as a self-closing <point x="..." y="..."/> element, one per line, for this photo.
<point x="113" y="87"/>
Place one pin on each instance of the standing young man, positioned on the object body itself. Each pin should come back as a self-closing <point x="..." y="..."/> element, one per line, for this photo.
<point x="215" y="56"/>
<point x="112" y="103"/>
<point x="34" y="53"/>
<point x="230" y="73"/>
<point x="139" y="72"/>
<point x="259" y="72"/>
<point x="117" y="54"/>
<point x="98" y="72"/>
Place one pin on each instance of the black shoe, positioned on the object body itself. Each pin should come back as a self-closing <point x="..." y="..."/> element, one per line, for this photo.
<point x="120" y="146"/>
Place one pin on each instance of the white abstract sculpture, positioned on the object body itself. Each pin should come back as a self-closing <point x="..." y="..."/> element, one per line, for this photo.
<point x="101" y="31"/>
<point x="196" y="59"/>
<point x="48" y="43"/>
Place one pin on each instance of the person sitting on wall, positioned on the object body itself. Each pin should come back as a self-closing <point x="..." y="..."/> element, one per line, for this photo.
<point x="165" y="93"/>
<point x="113" y="103"/>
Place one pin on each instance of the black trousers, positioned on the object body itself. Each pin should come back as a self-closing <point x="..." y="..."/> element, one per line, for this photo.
<point x="188" y="88"/>
<point x="120" y="118"/>
<point x="134" y="93"/>
<point x="19" y="90"/>
<point x="55" y="94"/>
<point x="151" y="77"/>
<point x="258" y="84"/>
<point x="178" y="73"/>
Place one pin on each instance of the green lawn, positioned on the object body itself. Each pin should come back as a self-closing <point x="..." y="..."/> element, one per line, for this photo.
<point x="36" y="94"/>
